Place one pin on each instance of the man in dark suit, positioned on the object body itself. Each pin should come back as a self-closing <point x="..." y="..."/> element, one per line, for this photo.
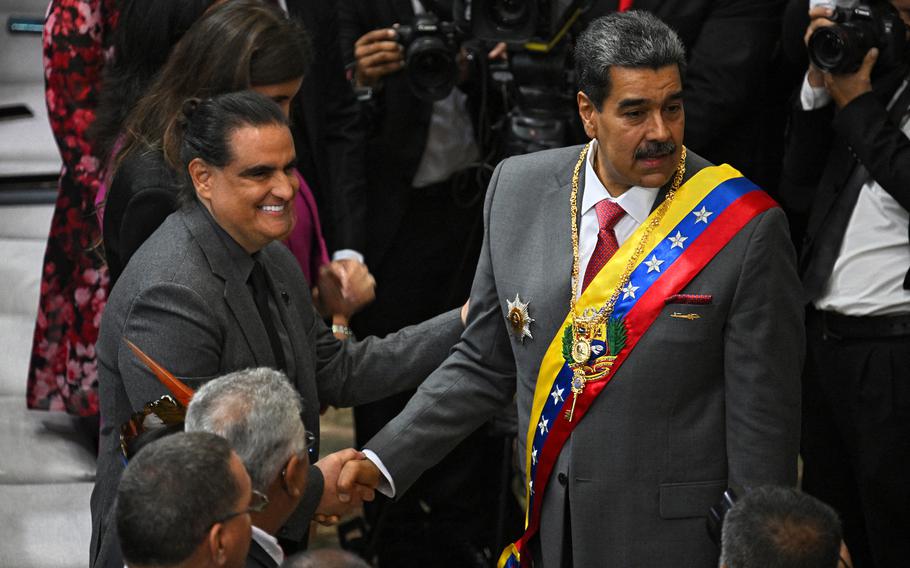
<point x="637" y="304"/>
<point x="423" y="225"/>
<point x="848" y="165"/>
<point x="258" y="412"/>
<point x="212" y="292"/>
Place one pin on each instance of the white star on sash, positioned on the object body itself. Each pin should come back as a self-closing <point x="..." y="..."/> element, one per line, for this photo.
<point x="653" y="264"/>
<point x="557" y="395"/>
<point x="543" y="425"/>
<point x="531" y="486"/>
<point x="678" y="240"/>
<point x="628" y="291"/>
<point x="534" y="456"/>
<point x="702" y="215"/>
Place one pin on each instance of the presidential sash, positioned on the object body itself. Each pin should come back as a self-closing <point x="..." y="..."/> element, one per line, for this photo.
<point x="707" y="211"/>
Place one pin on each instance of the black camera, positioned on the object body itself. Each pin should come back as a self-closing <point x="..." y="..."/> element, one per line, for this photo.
<point x="504" y="20"/>
<point x="431" y="49"/>
<point x="858" y="27"/>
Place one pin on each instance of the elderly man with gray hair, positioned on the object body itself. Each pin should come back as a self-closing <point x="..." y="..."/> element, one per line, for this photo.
<point x="258" y="412"/>
<point x="638" y="304"/>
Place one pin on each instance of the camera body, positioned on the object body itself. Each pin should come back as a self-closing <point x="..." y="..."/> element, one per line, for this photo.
<point x="431" y="50"/>
<point x="858" y="27"/>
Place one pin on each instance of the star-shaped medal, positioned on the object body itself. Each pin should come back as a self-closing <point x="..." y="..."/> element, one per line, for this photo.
<point x="678" y="240"/>
<point x="519" y="319"/>
<point x="543" y="425"/>
<point x="701" y="216"/>
<point x="557" y="395"/>
<point x="654" y="264"/>
<point x="628" y="291"/>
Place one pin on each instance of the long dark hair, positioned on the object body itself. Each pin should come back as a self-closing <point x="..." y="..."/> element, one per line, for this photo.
<point x="146" y="32"/>
<point x="235" y="46"/>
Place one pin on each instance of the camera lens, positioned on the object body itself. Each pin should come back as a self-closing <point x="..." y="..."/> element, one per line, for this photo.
<point x="431" y="68"/>
<point x="828" y="47"/>
<point x="841" y="48"/>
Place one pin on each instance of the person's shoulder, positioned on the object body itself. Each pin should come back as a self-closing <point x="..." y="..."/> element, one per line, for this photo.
<point x="543" y="159"/>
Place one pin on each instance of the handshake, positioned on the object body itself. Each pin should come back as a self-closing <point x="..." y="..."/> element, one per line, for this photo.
<point x="350" y="479"/>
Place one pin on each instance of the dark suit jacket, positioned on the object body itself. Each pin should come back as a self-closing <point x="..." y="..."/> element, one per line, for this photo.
<point x="328" y="131"/>
<point x="698" y="406"/>
<point x="735" y="100"/>
<point x="182" y="300"/>
<point x="823" y="148"/>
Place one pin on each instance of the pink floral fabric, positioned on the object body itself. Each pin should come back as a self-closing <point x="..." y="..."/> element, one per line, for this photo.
<point x="63" y="373"/>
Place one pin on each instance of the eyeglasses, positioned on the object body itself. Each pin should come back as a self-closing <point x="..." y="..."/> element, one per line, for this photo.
<point x="156" y="420"/>
<point x="258" y="503"/>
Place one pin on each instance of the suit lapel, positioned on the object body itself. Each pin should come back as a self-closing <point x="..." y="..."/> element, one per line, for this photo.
<point x="236" y="294"/>
<point x="293" y="325"/>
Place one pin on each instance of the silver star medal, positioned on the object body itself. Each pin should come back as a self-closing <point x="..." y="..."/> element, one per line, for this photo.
<point x="518" y="318"/>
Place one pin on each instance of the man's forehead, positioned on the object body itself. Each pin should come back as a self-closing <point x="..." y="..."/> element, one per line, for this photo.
<point x="648" y="83"/>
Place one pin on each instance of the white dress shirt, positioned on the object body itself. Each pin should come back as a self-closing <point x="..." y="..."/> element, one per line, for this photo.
<point x="637" y="203"/>
<point x="868" y="275"/>
<point x="268" y="543"/>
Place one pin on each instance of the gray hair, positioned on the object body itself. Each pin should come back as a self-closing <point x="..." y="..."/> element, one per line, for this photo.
<point x="780" y="527"/>
<point x="634" y="39"/>
<point x="170" y="494"/>
<point x="258" y="412"/>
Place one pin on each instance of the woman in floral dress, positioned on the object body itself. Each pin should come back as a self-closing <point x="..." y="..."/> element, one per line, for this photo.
<point x="63" y="369"/>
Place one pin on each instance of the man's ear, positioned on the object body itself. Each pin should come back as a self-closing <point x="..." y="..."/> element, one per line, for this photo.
<point x="295" y="476"/>
<point x="215" y="543"/>
<point x="587" y="111"/>
<point x="201" y="176"/>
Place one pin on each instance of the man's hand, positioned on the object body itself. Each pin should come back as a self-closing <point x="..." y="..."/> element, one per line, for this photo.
<point x="344" y="288"/>
<point x="845" y="88"/>
<point x="356" y="475"/>
<point x="333" y="505"/>
<point x="377" y="54"/>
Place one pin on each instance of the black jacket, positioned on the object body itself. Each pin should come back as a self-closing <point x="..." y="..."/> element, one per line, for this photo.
<point x="328" y="131"/>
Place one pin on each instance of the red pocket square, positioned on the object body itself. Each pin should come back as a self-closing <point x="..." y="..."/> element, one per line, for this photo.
<point x="689" y="299"/>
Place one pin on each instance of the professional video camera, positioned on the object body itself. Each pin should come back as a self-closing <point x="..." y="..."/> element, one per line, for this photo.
<point x="859" y="26"/>
<point x="538" y="75"/>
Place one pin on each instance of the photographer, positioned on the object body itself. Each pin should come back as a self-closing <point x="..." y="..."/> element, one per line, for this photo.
<point x="423" y="227"/>
<point x="848" y="165"/>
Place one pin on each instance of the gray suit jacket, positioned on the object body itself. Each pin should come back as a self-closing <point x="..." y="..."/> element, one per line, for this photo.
<point x="698" y="406"/>
<point x="183" y="302"/>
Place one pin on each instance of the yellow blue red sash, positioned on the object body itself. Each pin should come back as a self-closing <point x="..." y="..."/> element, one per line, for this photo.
<point x="707" y="211"/>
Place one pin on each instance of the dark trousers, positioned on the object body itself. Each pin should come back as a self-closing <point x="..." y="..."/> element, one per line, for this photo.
<point x="856" y="431"/>
<point x="447" y="517"/>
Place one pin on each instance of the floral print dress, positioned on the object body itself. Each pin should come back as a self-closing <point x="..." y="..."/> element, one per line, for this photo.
<point x="63" y="372"/>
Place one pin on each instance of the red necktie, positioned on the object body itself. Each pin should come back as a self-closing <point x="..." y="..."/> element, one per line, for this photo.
<point x="608" y="214"/>
<point x="624" y="5"/>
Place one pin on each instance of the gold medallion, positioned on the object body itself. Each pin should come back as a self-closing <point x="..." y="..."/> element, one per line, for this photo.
<point x="581" y="351"/>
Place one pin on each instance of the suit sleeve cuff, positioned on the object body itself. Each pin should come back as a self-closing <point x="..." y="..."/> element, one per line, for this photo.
<point x="387" y="484"/>
<point x="348" y="253"/>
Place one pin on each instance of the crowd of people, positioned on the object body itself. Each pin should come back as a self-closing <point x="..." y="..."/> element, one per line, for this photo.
<point x="256" y="195"/>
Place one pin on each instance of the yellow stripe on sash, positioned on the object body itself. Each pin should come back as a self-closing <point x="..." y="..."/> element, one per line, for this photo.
<point x="601" y="287"/>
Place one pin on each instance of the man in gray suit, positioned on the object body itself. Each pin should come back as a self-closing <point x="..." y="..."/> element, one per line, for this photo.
<point x="212" y="292"/>
<point x="640" y="305"/>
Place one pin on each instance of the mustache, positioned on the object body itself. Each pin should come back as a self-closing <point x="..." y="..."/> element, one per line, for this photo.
<point x="653" y="150"/>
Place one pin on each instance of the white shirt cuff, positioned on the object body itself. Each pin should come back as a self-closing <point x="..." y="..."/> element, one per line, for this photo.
<point x="811" y="98"/>
<point x="386" y="485"/>
<point x="347" y="253"/>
